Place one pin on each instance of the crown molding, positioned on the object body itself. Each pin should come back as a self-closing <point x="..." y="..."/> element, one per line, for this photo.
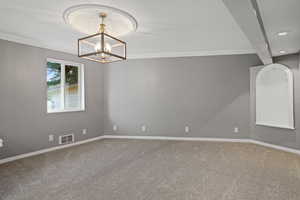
<point x="190" y="54"/>
<point x="29" y="42"/>
<point x="36" y="43"/>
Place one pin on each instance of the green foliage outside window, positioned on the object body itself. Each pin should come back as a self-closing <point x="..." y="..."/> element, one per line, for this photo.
<point x="53" y="74"/>
<point x="71" y="75"/>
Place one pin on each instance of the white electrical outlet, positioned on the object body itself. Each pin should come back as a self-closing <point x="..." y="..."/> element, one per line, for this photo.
<point x="236" y="129"/>
<point x="84" y="131"/>
<point x="51" y="138"/>
<point x="115" y="128"/>
<point x="187" y="129"/>
<point x="144" y="128"/>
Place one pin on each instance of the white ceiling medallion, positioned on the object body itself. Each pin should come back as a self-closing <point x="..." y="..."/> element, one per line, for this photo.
<point x="85" y="19"/>
<point x="103" y="24"/>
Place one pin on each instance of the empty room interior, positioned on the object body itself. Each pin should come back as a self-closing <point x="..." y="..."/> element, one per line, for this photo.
<point x="149" y="100"/>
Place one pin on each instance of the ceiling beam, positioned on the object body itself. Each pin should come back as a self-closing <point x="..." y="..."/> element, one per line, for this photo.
<point x="247" y="16"/>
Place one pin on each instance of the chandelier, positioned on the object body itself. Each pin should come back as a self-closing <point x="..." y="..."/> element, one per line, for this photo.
<point x="102" y="47"/>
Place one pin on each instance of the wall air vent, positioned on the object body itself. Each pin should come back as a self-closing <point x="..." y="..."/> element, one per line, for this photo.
<point x="66" y="139"/>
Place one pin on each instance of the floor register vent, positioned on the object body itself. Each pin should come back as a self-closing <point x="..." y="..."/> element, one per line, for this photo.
<point x="66" y="139"/>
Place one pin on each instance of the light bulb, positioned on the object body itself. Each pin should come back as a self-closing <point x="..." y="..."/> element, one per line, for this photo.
<point x="107" y="47"/>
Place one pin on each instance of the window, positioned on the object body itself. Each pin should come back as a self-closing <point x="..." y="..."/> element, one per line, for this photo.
<point x="275" y="97"/>
<point x="65" y="86"/>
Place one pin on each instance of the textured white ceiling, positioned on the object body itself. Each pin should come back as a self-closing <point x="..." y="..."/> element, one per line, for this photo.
<point x="165" y="28"/>
<point x="278" y="16"/>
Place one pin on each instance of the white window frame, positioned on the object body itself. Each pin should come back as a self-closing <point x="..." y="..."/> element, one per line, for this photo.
<point x="63" y="63"/>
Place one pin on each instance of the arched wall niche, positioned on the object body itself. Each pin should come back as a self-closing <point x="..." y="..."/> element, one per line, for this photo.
<point x="275" y="97"/>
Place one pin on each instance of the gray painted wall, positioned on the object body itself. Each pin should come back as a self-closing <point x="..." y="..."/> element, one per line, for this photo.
<point x="24" y="123"/>
<point x="209" y="94"/>
<point x="283" y="137"/>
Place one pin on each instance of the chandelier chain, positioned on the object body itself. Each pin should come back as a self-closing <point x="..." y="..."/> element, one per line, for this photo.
<point x="102" y="25"/>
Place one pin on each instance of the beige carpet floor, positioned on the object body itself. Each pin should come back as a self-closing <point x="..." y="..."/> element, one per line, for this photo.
<point x="143" y="170"/>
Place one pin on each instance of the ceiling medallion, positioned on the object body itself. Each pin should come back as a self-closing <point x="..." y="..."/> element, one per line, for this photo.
<point x="102" y="44"/>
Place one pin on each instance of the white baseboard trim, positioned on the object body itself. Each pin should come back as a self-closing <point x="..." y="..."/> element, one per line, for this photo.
<point x="274" y="146"/>
<point x="26" y="155"/>
<point x="205" y="139"/>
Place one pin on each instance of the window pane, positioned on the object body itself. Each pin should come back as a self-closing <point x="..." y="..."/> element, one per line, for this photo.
<point x="72" y="88"/>
<point x="53" y="86"/>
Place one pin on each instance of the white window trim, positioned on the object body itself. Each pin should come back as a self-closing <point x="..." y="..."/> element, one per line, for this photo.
<point x="81" y="85"/>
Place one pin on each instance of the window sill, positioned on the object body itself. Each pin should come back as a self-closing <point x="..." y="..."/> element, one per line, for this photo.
<point x="65" y="111"/>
